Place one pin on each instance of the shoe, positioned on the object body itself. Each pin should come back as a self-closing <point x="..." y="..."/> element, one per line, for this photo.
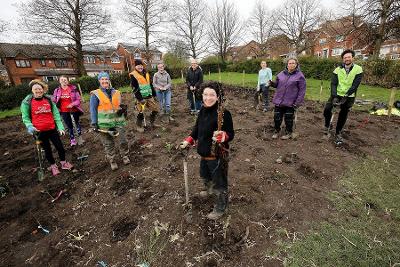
<point x="339" y="139"/>
<point x="80" y="140"/>
<point x="140" y="129"/>
<point x="54" y="169"/>
<point x="170" y="118"/>
<point x="287" y="136"/>
<point x="208" y="190"/>
<point x="215" y="215"/>
<point x="275" y="135"/>
<point x="126" y="160"/>
<point x="65" y="165"/>
<point x="73" y="142"/>
<point x="114" y="166"/>
<point x="327" y="134"/>
<point x="265" y="110"/>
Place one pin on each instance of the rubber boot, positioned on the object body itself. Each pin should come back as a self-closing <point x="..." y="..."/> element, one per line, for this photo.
<point x="208" y="189"/>
<point x="153" y="116"/>
<point x="220" y="207"/>
<point x="139" y="122"/>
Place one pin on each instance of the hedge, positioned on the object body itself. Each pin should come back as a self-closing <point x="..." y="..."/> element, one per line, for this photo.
<point x="11" y="96"/>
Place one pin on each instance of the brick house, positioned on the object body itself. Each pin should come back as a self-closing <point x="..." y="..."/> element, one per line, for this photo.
<point x="278" y="47"/>
<point x="130" y="52"/>
<point x="24" y="62"/>
<point x="390" y="49"/>
<point x="98" y="59"/>
<point x="248" y="51"/>
<point x="334" y="36"/>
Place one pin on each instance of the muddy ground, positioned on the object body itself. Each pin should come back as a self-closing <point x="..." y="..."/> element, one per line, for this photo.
<point x="136" y="214"/>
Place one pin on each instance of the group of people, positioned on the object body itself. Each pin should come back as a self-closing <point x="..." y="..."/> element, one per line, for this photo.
<point x="213" y="130"/>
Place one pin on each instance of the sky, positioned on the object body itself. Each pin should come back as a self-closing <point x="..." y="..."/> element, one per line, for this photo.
<point x="8" y="12"/>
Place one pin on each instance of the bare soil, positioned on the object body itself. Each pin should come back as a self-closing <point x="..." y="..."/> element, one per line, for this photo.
<point x="136" y="214"/>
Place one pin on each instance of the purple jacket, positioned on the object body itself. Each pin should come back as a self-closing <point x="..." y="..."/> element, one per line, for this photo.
<point x="75" y="97"/>
<point x="290" y="88"/>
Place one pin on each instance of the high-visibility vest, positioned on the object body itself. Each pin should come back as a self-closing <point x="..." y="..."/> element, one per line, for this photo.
<point x="346" y="80"/>
<point x="107" y="110"/>
<point x="144" y="83"/>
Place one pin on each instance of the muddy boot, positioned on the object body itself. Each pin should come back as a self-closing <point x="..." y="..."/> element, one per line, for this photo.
<point x="170" y="118"/>
<point x="339" y="139"/>
<point x="139" y="123"/>
<point x="220" y="207"/>
<point x="287" y="136"/>
<point x="208" y="190"/>
<point x="275" y="135"/>
<point x="326" y="134"/>
<point x="80" y="140"/>
<point x="153" y="116"/>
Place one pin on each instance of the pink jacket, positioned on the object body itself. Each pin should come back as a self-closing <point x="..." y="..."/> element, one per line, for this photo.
<point x="75" y="97"/>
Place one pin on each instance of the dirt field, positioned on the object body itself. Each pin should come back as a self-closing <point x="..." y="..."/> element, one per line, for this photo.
<point x="136" y="215"/>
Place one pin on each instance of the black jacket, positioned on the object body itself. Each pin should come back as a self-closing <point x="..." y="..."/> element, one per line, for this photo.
<point x="135" y="86"/>
<point x="205" y="126"/>
<point x="194" y="77"/>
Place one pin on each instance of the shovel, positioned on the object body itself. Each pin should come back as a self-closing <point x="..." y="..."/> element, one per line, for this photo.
<point x="188" y="205"/>
<point x="113" y="133"/>
<point x="144" y="116"/>
<point x="194" y="101"/>
<point x="40" y="169"/>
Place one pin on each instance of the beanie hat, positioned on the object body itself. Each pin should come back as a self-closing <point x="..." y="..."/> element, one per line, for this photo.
<point x="138" y="62"/>
<point x="40" y="82"/>
<point x="103" y="75"/>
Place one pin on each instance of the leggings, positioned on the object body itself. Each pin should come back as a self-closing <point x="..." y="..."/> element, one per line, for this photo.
<point x="46" y="137"/>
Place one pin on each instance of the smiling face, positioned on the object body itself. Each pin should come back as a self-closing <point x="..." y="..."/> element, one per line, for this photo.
<point x="64" y="82"/>
<point x="104" y="82"/>
<point x="209" y="97"/>
<point x="37" y="91"/>
<point x="139" y="68"/>
<point x="291" y="65"/>
<point x="348" y="59"/>
<point x="160" y="67"/>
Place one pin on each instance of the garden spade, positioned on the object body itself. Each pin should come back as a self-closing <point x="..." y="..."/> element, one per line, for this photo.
<point x="40" y="169"/>
<point x="188" y="205"/>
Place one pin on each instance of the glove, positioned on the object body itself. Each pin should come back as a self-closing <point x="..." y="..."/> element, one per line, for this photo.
<point x="32" y="130"/>
<point x="70" y="106"/>
<point x="95" y="127"/>
<point x="192" y="88"/>
<point x="61" y="132"/>
<point x="220" y="136"/>
<point x="271" y="83"/>
<point x="336" y="101"/>
<point x="188" y="141"/>
<point x="123" y="110"/>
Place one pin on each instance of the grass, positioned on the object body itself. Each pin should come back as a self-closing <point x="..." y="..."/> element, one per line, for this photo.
<point x="365" y="229"/>
<point x="10" y="113"/>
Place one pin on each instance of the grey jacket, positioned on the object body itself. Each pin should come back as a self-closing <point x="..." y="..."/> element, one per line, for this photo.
<point x="161" y="81"/>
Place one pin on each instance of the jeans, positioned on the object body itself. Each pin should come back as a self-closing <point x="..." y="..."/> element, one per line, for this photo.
<point x="164" y="98"/>
<point x="265" y="92"/>
<point x="193" y="101"/>
<point x="68" y="121"/>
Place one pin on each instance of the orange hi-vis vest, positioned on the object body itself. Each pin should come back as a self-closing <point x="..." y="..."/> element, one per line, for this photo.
<point x="144" y="83"/>
<point x="107" y="110"/>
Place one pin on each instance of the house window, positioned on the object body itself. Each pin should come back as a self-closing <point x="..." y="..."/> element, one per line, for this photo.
<point x="22" y="63"/>
<point x="337" y="51"/>
<point x="117" y="71"/>
<point x="90" y="59"/>
<point x="61" y="63"/>
<point x="339" y="38"/>
<point x="322" y="41"/>
<point x="157" y="57"/>
<point x="50" y="78"/>
<point x="395" y="56"/>
<point x="115" y="59"/>
<point x="43" y="62"/>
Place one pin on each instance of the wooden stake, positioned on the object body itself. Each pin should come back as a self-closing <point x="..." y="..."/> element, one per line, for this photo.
<point x="209" y="74"/>
<point x="244" y="72"/>
<point x="320" y="92"/>
<point x="219" y="74"/>
<point x="391" y="101"/>
<point x="182" y="76"/>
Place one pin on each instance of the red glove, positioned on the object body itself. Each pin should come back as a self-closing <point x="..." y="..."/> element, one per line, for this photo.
<point x="188" y="141"/>
<point x="220" y="136"/>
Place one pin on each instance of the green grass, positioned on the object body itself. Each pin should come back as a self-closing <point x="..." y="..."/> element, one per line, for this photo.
<point x="10" y="113"/>
<point x="365" y="229"/>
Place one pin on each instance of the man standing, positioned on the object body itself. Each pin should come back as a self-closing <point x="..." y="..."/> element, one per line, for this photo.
<point x="194" y="78"/>
<point x="108" y="117"/>
<point x="345" y="81"/>
<point x="144" y="93"/>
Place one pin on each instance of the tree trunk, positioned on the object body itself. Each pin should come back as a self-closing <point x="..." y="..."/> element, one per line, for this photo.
<point x="80" y="67"/>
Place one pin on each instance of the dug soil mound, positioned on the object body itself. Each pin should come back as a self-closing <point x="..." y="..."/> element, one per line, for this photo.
<point x="136" y="215"/>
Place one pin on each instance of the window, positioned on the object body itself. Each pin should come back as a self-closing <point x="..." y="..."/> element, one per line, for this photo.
<point x="322" y="41"/>
<point x="90" y="59"/>
<point x="61" y="63"/>
<point x="43" y="62"/>
<point x="337" y="51"/>
<point x="50" y="78"/>
<point x="157" y="57"/>
<point x="339" y="38"/>
<point x="395" y="56"/>
<point x="22" y="63"/>
<point x="115" y="59"/>
<point x="117" y="71"/>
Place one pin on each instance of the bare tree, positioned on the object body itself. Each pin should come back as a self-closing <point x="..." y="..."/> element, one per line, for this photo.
<point x="297" y="19"/>
<point x="77" y="21"/>
<point x="3" y="26"/>
<point x="188" y="20"/>
<point x="146" y="16"/>
<point x="383" y="17"/>
<point x="224" y="27"/>
<point x="262" y="24"/>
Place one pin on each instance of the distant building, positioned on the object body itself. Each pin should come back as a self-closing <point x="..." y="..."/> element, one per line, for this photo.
<point x="98" y="59"/>
<point x="134" y="51"/>
<point x="390" y="49"/>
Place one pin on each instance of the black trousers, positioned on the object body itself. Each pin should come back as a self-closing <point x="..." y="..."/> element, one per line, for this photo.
<point x="215" y="171"/>
<point x="68" y="121"/>
<point x="345" y="107"/>
<point x="264" y="91"/>
<point x="52" y="136"/>
<point x="286" y="113"/>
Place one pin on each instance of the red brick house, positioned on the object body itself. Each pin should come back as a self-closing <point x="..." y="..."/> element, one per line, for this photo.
<point x="390" y="49"/>
<point x="248" y="51"/>
<point x="334" y="36"/>
<point x="98" y="59"/>
<point x="24" y="62"/>
<point x="130" y="52"/>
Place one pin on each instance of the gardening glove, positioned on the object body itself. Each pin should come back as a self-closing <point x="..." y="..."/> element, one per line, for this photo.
<point x="123" y="110"/>
<point x="188" y="141"/>
<point x="95" y="127"/>
<point x="32" y="130"/>
<point x="61" y="132"/>
<point x="220" y="136"/>
<point x="192" y="88"/>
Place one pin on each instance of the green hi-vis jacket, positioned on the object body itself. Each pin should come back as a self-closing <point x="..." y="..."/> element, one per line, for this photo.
<point x="346" y="83"/>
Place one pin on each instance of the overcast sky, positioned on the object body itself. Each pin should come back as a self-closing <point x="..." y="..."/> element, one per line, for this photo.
<point x="8" y="12"/>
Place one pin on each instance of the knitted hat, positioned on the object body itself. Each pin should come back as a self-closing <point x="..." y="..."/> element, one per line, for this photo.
<point x="138" y="62"/>
<point x="41" y="83"/>
<point x="103" y="75"/>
